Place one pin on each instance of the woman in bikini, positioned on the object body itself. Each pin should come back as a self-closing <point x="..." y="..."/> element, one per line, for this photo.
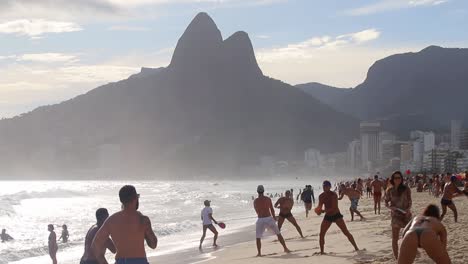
<point x="426" y="232"/>
<point x="398" y="200"/>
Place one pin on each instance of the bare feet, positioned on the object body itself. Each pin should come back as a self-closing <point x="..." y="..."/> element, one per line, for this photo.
<point x="259" y="255"/>
<point x="286" y="250"/>
<point x="214" y="245"/>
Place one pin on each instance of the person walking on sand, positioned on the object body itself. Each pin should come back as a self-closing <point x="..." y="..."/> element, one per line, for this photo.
<point x="285" y="204"/>
<point x="450" y="190"/>
<point x="353" y="196"/>
<point x="377" y="187"/>
<point x="65" y="234"/>
<point x="308" y="198"/>
<point x="52" y="244"/>
<point x="129" y="230"/>
<point x="266" y="220"/>
<point x="426" y="232"/>
<point x="398" y="200"/>
<point x="88" y="255"/>
<point x="4" y="236"/>
<point x="208" y="220"/>
<point x="329" y="200"/>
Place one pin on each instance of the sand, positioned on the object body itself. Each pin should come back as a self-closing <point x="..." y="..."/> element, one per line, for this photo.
<point x="373" y="236"/>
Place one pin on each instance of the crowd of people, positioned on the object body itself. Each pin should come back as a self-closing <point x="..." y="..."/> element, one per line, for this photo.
<point x="125" y="232"/>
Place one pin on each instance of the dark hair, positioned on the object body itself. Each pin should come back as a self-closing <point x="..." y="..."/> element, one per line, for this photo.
<point x="432" y="210"/>
<point x="401" y="187"/>
<point x="127" y="193"/>
<point x="101" y="214"/>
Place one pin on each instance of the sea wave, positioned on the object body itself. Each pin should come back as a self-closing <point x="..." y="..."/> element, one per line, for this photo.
<point x="8" y="201"/>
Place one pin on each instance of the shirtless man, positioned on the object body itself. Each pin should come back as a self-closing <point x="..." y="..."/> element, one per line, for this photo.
<point x="266" y="220"/>
<point x="88" y="255"/>
<point x="377" y="187"/>
<point x="353" y="196"/>
<point x="369" y="187"/>
<point x="450" y="190"/>
<point x="329" y="199"/>
<point x="53" y="248"/>
<point x="285" y="204"/>
<point x="129" y="229"/>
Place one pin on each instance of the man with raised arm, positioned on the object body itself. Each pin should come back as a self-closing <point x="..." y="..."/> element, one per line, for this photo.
<point x="129" y="230"/>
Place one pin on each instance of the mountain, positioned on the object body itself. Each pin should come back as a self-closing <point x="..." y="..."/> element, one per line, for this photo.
<point x="422" y="90"/>
<point x="210" y="112"/>
<point x="327" y="94"/>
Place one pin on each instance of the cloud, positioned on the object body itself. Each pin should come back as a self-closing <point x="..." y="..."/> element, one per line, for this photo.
<point x="308" y="47"/>
<point x="32" y="80"/>
<point x="128" y="28"/>
<point x="263" y="36"/>
<point x="341" y="61"/>
<point x="37" y="27"/>
<point x="85" y="11"/>
<point x="48" y="57"/>
<point x="389" y="5"/>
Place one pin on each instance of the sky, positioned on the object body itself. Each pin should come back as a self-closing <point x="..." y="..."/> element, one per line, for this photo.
<point x="54" y="50"/>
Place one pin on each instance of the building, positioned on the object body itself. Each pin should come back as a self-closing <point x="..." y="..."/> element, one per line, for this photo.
<point x="418" y="154"/>
<point x="370" y="144"/>
<point x="354" y="154"/>
<point x="312" y="158"/>
<point x="435" y="160"/>
<point x="406" y="152"/>
<point x="429" y="141"/>
<point x="456" y="127"/>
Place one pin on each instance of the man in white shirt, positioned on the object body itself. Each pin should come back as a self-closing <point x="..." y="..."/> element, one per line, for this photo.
<point x="207" y="218"/>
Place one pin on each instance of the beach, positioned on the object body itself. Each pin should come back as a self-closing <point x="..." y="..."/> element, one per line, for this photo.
<point x="373" y="237"/>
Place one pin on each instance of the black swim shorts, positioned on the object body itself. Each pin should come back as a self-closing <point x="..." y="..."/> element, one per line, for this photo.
<point x="333" y="218"/>
<point x="286" y="215"/>
<point x="446" y="202"/>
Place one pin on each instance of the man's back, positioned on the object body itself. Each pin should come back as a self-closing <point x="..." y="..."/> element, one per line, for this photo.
<point x="262" y="206"/>
<point x="377" y="186"/>
<point x="127" y="230"/>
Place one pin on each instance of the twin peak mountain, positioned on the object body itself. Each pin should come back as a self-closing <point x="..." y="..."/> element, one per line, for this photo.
<point x="210" y="111"/>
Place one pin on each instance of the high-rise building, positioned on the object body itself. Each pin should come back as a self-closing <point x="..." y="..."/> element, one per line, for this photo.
<point x="370" y="143"/>
<point x="354" y="154"/>
<point x="435" y="160"/>
<point x="406" y="152"/>
<point x="312" y="158"/>
<point x="456" y="127"/>
<point x="429" y="141"/>
<point x="418" y="153"/>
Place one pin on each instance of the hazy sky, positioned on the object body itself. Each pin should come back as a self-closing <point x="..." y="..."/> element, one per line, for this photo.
<point x="52" y="50"/>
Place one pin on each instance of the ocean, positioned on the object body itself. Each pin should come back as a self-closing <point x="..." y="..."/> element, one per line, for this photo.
<point x="27" y="207"/>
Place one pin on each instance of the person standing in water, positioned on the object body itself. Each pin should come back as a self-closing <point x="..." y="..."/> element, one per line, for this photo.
<point x="450" y="190"/>
<point x="398" y="200"/>
<point x="4" y="236"/>
<point x="377" y="187"/>
<point x="52" y="244"/>
<point x="88" y="255"/>
<point x="285" y="204"/>
<point x="329" y="200"/>
<point x="129" y="230"/>
<point x="65" y="234"/>
<point x="426" y="232"/>
<point x="353" y="196"/>
<point x="266" y="220"/>
<point x="208" y="220"/>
